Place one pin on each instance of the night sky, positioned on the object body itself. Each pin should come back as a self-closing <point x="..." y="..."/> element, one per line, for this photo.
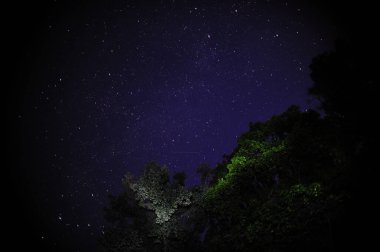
<point x="106" y="86"/>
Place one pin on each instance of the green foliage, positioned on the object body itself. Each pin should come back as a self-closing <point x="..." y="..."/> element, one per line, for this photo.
<point x="301" y="191"/>
<point x="281" y="189"/>
<point x="253" y="159"/>
<point x="272" y="194"/>
<point x="293" y="216"/>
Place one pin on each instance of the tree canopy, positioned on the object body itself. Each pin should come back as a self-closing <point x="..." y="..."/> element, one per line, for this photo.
<point x="289" y="185"/>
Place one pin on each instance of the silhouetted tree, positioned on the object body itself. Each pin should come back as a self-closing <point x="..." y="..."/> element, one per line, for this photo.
<point x="149" y="215"/>
<point x="300" y="181"/>
<point x="346" y="82"/>
<point x="204" y="170"/>
<point x="180" y="178"/>
<point x="278" y="179"/>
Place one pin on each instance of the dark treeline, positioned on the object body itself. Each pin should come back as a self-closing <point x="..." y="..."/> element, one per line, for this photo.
<point x="301" y="181"/>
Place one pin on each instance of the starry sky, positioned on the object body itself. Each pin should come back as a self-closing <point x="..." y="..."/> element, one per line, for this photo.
<point x="104" y="87"/>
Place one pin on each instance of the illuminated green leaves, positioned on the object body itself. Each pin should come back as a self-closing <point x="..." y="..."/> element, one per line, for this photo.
<point x="252" y="157"/>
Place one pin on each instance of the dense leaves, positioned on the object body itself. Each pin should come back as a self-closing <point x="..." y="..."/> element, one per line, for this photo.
<point x="289" y="185"/>
<point x="149" y="216"/>
<point x="277" y="193"/>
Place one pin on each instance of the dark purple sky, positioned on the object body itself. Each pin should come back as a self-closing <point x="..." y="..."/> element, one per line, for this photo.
<point x="111" y="85"/>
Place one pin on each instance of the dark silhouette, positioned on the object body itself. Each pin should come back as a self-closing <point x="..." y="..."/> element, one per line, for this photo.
<point x="180" y="178"/>
<point x="150" y="215"/>
<point x="299" y="182"/>
<point x="204" y="171"/>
